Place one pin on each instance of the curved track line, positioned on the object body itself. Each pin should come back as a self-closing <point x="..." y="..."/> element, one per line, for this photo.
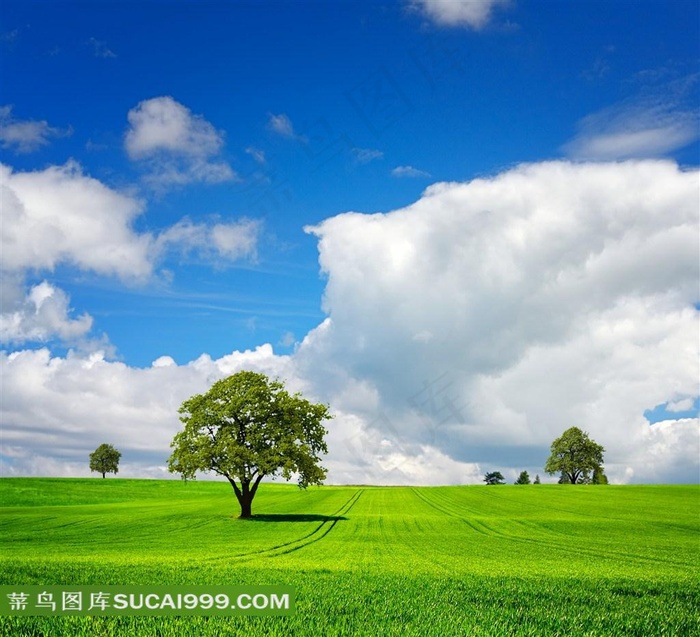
<point x="342" y="511"/>
<point x="273" y="551"/>
<point x="489" y="531"/>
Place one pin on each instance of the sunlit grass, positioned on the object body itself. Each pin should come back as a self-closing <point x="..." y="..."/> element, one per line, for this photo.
<point x="532" y="560"/>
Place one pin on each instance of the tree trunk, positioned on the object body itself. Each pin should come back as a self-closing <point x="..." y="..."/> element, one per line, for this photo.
<point x="103" y="475"/>
<point x="245" y="494"/>
<point x="246" y="506"/>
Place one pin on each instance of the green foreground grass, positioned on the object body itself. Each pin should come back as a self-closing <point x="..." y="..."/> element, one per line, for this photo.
<point x="530" y="560"/>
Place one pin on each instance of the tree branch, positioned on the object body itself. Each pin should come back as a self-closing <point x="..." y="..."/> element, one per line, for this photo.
<point x="236" y="490"/>
<point x="256" y="483"/>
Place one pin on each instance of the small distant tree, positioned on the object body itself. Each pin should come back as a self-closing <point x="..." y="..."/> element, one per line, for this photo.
<point x="537" y="479"/>
<point x="523" y="478"/>
<point x="247" y="427"/>
<point x="575" y="455"/>
<point x="105" y="459"/>
<point x="494" y="477"/>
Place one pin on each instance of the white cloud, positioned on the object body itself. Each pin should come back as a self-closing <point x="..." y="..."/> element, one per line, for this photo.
<point x="366" y="155"/>
<point x="162" y="124"/>
<point x="282" y="125"/>
<point x="177" y="146"/>
<point x="236" y="240"/>
<point x="164" y="361"/>
<point x="42" y="315"/>
<point x="228" y="241"/>
<point x="465" y="332"/>
<point x="408" y="171"/>
<point x="623" y="135"/>
<point x="550" y="296"/>
<point x="288" y="339"/>
<point x="685" y="404"/>
<point x="60" y="215"/>
<point x="465" y="13"/>
<point x="658" y="121"/>
<point x="670" y="447"/>
<point x="257" y="154"/>
<point x="166" y="173"/>
<point x="100" y="49"/>
<point x="26" y="136"/>
<point x="62" y="408"/>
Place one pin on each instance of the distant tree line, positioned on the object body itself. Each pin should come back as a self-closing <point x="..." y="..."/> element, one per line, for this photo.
<point x="577" y="458"/>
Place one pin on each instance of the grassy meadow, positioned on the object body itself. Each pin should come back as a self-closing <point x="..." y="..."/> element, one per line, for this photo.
<point x="477" y="560"/>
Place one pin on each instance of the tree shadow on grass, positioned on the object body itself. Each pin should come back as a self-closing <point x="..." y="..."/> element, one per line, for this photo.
<point x="292" y="517"/>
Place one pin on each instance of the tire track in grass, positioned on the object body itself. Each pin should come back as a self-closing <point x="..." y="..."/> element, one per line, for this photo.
<point x="490" y="531"/>
<point x="341" y="512"/>
<point x="475" y="526"/>
<point x="416" y="529"/>
<point x="492" y="493"/>
<point x="562" y="542"/>
<point x="557" y="539"/>
<point x="305" y="540"/>
<point x="558" y="542"/>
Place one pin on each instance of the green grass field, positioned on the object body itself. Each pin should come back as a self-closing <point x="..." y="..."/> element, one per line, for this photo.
<point x="505" y="560"/>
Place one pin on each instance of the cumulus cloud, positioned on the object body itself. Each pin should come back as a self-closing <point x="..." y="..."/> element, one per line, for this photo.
<point x="63" y="407"/>
<point x="26" y="136"/>
<point x="60" y="215"/>
<point x="408" y="171"/>
<point x="162" y="124"/>
<point x="177" y="146"/>
<point x="42" y="315"/>
<point x="464" y="333"/>
<point x="459" y="13"/>
<point x="489" y="316"/>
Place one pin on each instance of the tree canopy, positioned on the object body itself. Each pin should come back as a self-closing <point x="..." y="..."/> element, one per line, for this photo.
<point x="576" y="456"/>
<point x="494" y="477"/>
<point x="247" y="427"/>
<point x="105" y="459"/>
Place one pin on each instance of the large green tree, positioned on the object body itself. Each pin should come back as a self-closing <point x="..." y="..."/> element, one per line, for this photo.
<point x="247" y="427"/>
<point x="105" y="459"/>
<point x="576" y="456"/>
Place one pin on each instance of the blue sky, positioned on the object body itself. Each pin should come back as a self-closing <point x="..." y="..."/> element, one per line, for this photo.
<point x="177" y="169"/>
